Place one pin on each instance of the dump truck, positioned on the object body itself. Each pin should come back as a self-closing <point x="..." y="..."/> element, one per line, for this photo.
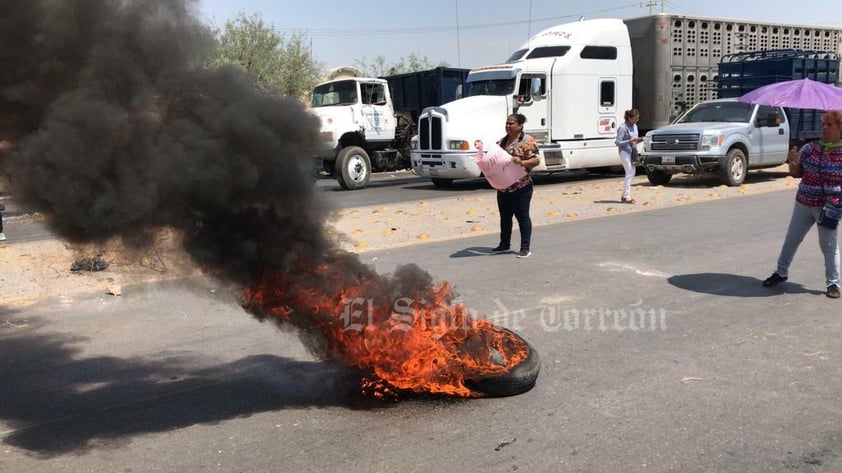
<point x="367" y="123"/>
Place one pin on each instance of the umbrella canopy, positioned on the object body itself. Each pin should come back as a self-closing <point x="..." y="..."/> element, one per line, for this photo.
<point x="801" y="93"/>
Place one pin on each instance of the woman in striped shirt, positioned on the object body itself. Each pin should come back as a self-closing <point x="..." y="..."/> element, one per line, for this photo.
<point x="819" y="165"/>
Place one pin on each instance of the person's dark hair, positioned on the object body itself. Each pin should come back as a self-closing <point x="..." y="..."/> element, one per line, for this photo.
<point x="630" y="113"/>
<point x="519" y="118"/>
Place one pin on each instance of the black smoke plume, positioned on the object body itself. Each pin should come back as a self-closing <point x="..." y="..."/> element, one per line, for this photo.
<point x="119" y="129"/>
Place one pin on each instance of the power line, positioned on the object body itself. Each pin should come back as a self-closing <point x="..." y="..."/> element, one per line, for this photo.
<point x="437" y="29"/>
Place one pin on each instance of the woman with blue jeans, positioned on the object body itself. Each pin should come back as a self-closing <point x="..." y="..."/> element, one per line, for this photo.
<point x="514" y="201"/>
<point x="627" y="139"/>
<point x="819" y="165"/>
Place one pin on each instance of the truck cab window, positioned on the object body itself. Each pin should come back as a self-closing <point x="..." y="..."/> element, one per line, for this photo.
<point x="373" y="94"/>
<point x="516" y="56"/>
<point x="599" y="52"/>
<point x="531" y="87"/>
<point x="548" y="51"/>
<point x="767" y="116"/>
<point x="607" y="95"/>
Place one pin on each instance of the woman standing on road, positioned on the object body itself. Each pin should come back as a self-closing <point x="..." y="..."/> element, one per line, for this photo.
<point x="819" y="165"/>
<point x="5" y="146"/>
<point x="626" y="140"/>
<point x="514" y="201"/>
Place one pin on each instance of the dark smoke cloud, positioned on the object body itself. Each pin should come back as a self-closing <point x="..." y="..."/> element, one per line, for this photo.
<point x="119" y="130"/>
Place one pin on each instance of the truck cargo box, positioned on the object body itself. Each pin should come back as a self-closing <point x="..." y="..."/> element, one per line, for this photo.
<point x="414" y="91"/>
<point x="740" y="73"/>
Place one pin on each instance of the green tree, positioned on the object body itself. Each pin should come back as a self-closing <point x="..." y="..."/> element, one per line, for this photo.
<point x="379" y="67"/>
<point x="277" y="62"/>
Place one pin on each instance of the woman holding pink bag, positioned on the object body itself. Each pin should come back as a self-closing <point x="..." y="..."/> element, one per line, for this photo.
<point x="514" y="200"/>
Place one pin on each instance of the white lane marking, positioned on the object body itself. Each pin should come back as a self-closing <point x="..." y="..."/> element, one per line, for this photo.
<point x="627" y="267"/>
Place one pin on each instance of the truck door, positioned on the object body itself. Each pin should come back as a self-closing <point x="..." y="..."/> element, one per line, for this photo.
<point x="772" y="132"/>
<point x="532" y="102"/>
<point x="378" y="114"/>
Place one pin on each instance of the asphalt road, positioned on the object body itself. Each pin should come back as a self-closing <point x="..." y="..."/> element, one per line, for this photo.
<point x="719" y="375"/>
<point x="390" y="188"/>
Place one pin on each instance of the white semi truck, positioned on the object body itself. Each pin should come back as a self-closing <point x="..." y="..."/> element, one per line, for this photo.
<point x="574" y="81"/>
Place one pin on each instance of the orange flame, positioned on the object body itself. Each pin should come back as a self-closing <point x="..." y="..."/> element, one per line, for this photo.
<point x="417" y="341"/>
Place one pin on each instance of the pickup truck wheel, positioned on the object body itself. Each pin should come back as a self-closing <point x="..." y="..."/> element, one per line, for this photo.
<point x="353" y="168"/>
<point x="658" y="177"/>
<point x="442" y="183"/>
<point x="733" y="170"/>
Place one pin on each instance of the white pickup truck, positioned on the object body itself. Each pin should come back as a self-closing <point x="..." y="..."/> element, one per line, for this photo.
<point x="723" y="136"/>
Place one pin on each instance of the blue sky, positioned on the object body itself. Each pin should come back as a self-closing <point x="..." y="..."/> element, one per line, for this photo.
<point x="471" y="33"/>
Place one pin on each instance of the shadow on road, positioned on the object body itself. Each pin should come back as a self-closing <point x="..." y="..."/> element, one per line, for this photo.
<point x="56" y="401"/>
<point x="472" y="251"/>
<point x="712" y="180"/>
<point x="719" y="284"/>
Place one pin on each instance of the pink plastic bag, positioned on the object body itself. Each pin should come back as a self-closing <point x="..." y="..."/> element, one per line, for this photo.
<point x="497" y="166"/>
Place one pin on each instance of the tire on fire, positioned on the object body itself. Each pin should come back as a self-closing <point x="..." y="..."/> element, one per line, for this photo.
<point x="518" y="380"/>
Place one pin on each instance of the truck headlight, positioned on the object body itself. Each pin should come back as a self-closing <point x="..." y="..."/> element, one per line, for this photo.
<point x="413" y="143"/>
<point x="460" y="145"/>
<point x="709" y="141"/>
<point x="647" y="140"/>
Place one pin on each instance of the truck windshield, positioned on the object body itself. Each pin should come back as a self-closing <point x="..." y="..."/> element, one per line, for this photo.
<point x="736" y="112"/>
<point x="342" y="92"/>
<point x="490" y="87"/>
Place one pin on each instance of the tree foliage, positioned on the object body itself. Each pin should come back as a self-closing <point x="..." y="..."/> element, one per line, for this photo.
<point x="278" y="62"/>
<point x="379" y="67"/>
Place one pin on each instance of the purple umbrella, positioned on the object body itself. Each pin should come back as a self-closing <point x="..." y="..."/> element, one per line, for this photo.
<point x="801" y="93"/>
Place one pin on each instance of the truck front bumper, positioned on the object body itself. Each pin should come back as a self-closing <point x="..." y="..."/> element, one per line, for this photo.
<point x="443" y="165"/>
<point x="686" y="163"/>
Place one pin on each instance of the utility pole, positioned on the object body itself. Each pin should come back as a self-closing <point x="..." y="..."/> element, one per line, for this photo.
<point x="652" y="3"/>
<point x="458" y="41"/>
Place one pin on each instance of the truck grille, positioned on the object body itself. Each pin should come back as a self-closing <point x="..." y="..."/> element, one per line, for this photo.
<point x="686" y="142"/>
<point x="430" y="132"/>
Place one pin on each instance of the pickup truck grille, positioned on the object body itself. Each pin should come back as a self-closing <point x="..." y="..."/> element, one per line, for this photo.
<point x="676" y="142"/>
<point x="430" y="133"/>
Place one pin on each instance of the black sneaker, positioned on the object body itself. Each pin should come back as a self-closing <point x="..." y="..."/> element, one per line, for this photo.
<point x="501" y="249"/>
<point x="774" y="280"/>
<point x="833" y="291"/>
<point x="524" y="254"/>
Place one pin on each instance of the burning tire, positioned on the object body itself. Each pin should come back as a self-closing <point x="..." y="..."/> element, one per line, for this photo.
<point x="518" y="380"/>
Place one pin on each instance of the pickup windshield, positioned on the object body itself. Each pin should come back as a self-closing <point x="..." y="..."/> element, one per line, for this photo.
<point x="735" y="112"/>
<point x="342" y="92"/>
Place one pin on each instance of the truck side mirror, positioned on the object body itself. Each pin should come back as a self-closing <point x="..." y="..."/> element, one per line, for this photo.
<point x="536" y="87"/>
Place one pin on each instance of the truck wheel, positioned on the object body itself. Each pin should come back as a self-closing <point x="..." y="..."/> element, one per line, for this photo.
<point x="658" y="177"/>
<point x="733" y="169"/>
<point x="442" y="183"/>
<point x="353" y="168"/>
